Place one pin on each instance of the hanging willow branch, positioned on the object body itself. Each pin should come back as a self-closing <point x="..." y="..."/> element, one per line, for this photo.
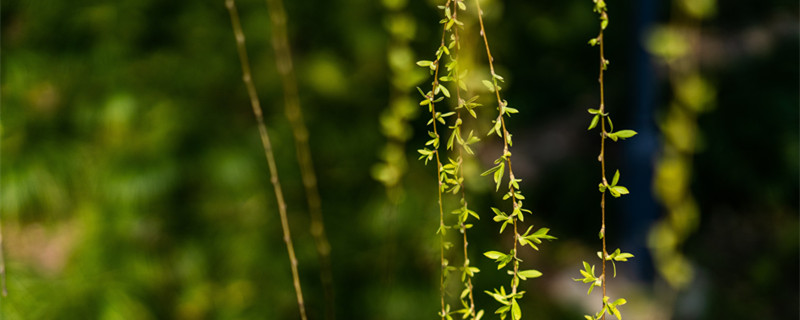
<point x="601" y="117"/>
<point x="262" y="129"/>
<point x="514" y="194"/>
<point x="283" y="61"/>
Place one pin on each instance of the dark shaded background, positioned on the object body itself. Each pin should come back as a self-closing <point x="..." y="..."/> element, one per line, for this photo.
<point x="134" y="185"/>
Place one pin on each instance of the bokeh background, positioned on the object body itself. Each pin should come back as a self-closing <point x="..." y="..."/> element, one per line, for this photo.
<point x="133" y="184"/>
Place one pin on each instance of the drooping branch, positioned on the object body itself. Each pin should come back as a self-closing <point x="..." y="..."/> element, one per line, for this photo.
<point x="262" y="129"/>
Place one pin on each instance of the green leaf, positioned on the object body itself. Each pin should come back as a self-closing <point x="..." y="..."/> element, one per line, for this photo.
<point x="424" y="63"/>
<point x="615" y="179"/>
<point x="625" y="134"/>
<point x="516" y="313"/>
<point x="489" y="85"/>
<point x="453" y="135"/>
<point x="610" y="124"/>
<point x="595" y="120"/>
<point x="524" y="275"/>
<point x="445" y="91"/>
<point x="499" y="296"/>
<point x="498" y="77"/>
<point x="623" y="256"/>
<point x="619" y="191"/>
<point x="494" y="255"/>
<point x="493" y="169"/>
<point x="498" y="175"/>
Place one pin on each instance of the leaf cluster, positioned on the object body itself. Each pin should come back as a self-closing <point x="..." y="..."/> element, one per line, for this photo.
<point x="509" y="303"/>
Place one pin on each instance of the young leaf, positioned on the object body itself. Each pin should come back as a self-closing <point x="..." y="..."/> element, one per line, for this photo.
<point x="489" y="85"/>
<point x="524" y="275"/>
<point x="494" y="255"/>
<point x="625" y="134"/>
<point x="618" y="191"/>
<point x="516" y="313"/>
<point x="595" y="120"/>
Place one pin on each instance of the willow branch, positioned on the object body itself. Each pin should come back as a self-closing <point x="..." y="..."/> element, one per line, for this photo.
<point x="506" y="135"/>
<point x="2" y="265"/>
<point x="439" y="169"/>
<point x="262" y="129"/>
<point x="283" y="61"/>
<point x="462" y="225"/>
<point x="602" y="157"/>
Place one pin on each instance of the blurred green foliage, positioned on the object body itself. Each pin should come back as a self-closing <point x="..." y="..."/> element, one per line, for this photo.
<point x="133" y="186"/>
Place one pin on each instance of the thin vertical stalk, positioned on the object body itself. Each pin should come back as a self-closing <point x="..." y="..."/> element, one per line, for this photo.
<point x="439" y="176"/>
<point x="2" y="264"/>
<point x="2" y="252"/>
<point x="602" y="157"/>
<point x="505" y="137"/>
<point x="283" y="61"/>
<point x="430" y="101"/>
<point x="616" y="190"/>
<point x="462" y="225"/>
<point x="262" y="129"/>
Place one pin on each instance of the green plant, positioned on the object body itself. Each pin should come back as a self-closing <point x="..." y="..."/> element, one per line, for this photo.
<point x="262" y="129"/>
<point x="514" y="194"/>
<point x="444" y="176"/>
<point x="601" y="117"/>
<point x="455" y="75"/>
<point x="451" y="175"/>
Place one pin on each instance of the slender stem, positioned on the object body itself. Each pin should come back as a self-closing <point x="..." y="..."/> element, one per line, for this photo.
<point x="283" y="61"/>
<point x="462" y="225"/>
<point x="439" y="174"/>
<point x="506" y="135"/>
<point x="2" y="254"/>
<point x="602" y="157"/>
<point x="262" y="129"/>
<point x="2" y="265"/>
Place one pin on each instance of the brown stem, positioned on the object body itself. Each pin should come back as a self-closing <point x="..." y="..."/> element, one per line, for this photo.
<point x="283" y="61"/>
<point x="2" y="265"/>
<point x="262" y="129"/>
<point x="602" y="157"/>
<point x="506" y="153"/>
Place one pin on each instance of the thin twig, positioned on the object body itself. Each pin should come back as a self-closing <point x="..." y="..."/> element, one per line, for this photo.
<point x="283" y="61"/>
<point x="262" y="129"/>
<point x="456" y="53"/>
<point x="439" y="169"/>
<point x="500" y="118"/>
<point x="602" y="157"/>
<point x="2" y="265"/>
